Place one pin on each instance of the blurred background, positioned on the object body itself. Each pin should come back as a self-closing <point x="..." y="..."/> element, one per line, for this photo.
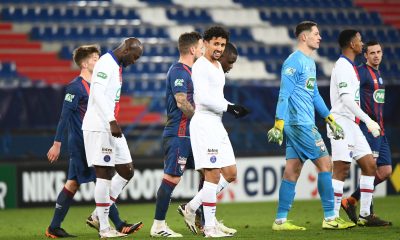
<point x="37" y="38"/>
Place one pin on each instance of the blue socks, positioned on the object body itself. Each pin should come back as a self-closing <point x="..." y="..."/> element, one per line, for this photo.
<point x="163" y="199"/>
<point x="63" y="203"/>
<point x="114" y="216"/>
<point x="286" y="196"/>
<point x="325" y="190"/>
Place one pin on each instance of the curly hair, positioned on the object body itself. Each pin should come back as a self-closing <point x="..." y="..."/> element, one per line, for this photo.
<point x="216" y="31"/>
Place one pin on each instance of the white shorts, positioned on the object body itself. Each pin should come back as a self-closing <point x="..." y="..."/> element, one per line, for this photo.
<point x="102" y="149"/>
<point x="210" y="142"/>
<point x="353" y="146"/>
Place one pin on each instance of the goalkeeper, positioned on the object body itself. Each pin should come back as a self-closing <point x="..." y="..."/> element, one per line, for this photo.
<point x="298" y="99"/>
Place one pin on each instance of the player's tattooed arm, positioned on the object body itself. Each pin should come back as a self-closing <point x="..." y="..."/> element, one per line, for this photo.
<point x="184" y="105"/>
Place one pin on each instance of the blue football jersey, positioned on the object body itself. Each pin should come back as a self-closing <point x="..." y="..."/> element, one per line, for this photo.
<point x="178" y="80"/>
<point x="299" y="96"/>
<point x="73" y="111"/>
<point x="372" y="94"/>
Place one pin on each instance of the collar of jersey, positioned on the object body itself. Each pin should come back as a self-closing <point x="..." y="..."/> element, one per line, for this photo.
<point x="113" y="56"/>
<point x="351" y="62"/>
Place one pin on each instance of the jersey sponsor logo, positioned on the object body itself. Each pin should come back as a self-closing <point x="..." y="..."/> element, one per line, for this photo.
<point x="182" y="160"/>
<point x="118" y="95"/>
<point x="69" y="97"/>
<point x="342" y="85"/>
<point x="102" y="75"/>
<point x="213" y="159"/>
<point x="357" y="95"/>
<point x="310" y="83"/>
<point x="105" y="150"/>
<point x="212" y="151"/>
<point x="289" y="71"/>
<point x="379" y="96"/>
<point x="179" y="82"/>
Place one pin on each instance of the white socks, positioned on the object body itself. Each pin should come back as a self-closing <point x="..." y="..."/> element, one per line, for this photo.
<point x="222" y="184"/>
<point x="338" y="194"/>
<point x="117" y="184"/>
<point x="209" y="199"/>
<point x="366" y="190"/>
<point x="102" y="199"/>
<point x="195" y="203"/>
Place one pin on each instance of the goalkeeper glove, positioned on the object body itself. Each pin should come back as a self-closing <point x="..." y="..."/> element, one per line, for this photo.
<point x="373" y="127"/>
<point x="275" y="135"/>
<point x="337" y="130"/>
<point x="237" y="110"/>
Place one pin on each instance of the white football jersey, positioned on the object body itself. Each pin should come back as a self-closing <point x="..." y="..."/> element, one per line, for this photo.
<point x="344" y="79"/>
<point x="208" y="83"/>
<point x="105" y="92"/>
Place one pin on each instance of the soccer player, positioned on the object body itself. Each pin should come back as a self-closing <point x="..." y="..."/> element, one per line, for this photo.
<point x="345" y="97"/>
<point x="74" y="108"/>
<point x="298" y="100"/>
<point x="212" y="149"/>
<point x="105" y="145"/>
<point x="227" y="60"/>
<point x="176" y="139"/>
<point x="372" y="98"/>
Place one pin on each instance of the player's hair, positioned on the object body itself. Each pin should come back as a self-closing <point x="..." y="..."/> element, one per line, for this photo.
<point x="216" y="31"/>
<point x="188" y="40"/>
<point x="304" y="26"/>
<point x="83" y="52"/>
<point x="371" y="43"/>
<point x="346" y="36"/>
<point x="230" y="49"/>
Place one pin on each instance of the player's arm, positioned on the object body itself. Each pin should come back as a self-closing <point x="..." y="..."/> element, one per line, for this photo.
<point x="180" y="79"/>
<point x="184" y="105"/>
<point x="289" y="77"/>
<point x="345" y="95"/>
<point x="201" y="81"/>
<point x="322" y="110"/>
<point x="70" y="104"/>
<point x="100" y="80"/>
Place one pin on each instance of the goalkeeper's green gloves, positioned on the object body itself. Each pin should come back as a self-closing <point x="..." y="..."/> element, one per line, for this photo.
<point x="337" y="130"/>
<point x="275" y="135"/>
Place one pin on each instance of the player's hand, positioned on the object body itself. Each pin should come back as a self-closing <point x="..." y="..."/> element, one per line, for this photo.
<point x="373" y="127"/>
<point x="237" y="110"/>
<point x="337" y="130"/>
<point x="275" y="134"/>
<point x="54" y="152"/>
<point x="115" y="129"/>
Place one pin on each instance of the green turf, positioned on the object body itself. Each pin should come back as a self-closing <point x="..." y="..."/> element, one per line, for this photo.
<point x="252" y="220"/>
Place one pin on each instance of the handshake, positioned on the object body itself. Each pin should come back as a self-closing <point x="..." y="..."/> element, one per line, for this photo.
<point x="237" y="110"/>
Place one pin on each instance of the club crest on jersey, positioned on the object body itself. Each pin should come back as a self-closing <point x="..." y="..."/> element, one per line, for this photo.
<point x="289" y="71"/>
<point x="179" y="82"/>
<point x="379" y="96"/>
<point x="213" y="159"/>
<point x="107" y="158"/>
<point x="69" y="97"/>
<point x="102" y="75"/>
<point x="310" y="83"/>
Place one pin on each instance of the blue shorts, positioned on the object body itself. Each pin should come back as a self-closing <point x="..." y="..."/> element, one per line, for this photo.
<point x="304" y="142"/>
<point x="178" y="155"/>
<point x="78" y="169"/>
<point x="380" y="149"/>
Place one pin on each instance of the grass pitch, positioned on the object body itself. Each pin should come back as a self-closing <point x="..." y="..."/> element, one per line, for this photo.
<point x="252" y="220"/>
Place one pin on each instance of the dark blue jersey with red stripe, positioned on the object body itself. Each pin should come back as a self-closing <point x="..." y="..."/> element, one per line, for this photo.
<point x="178" y="80"/>
<point x="372" y="94"/>
<point x="73" y="111"/>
